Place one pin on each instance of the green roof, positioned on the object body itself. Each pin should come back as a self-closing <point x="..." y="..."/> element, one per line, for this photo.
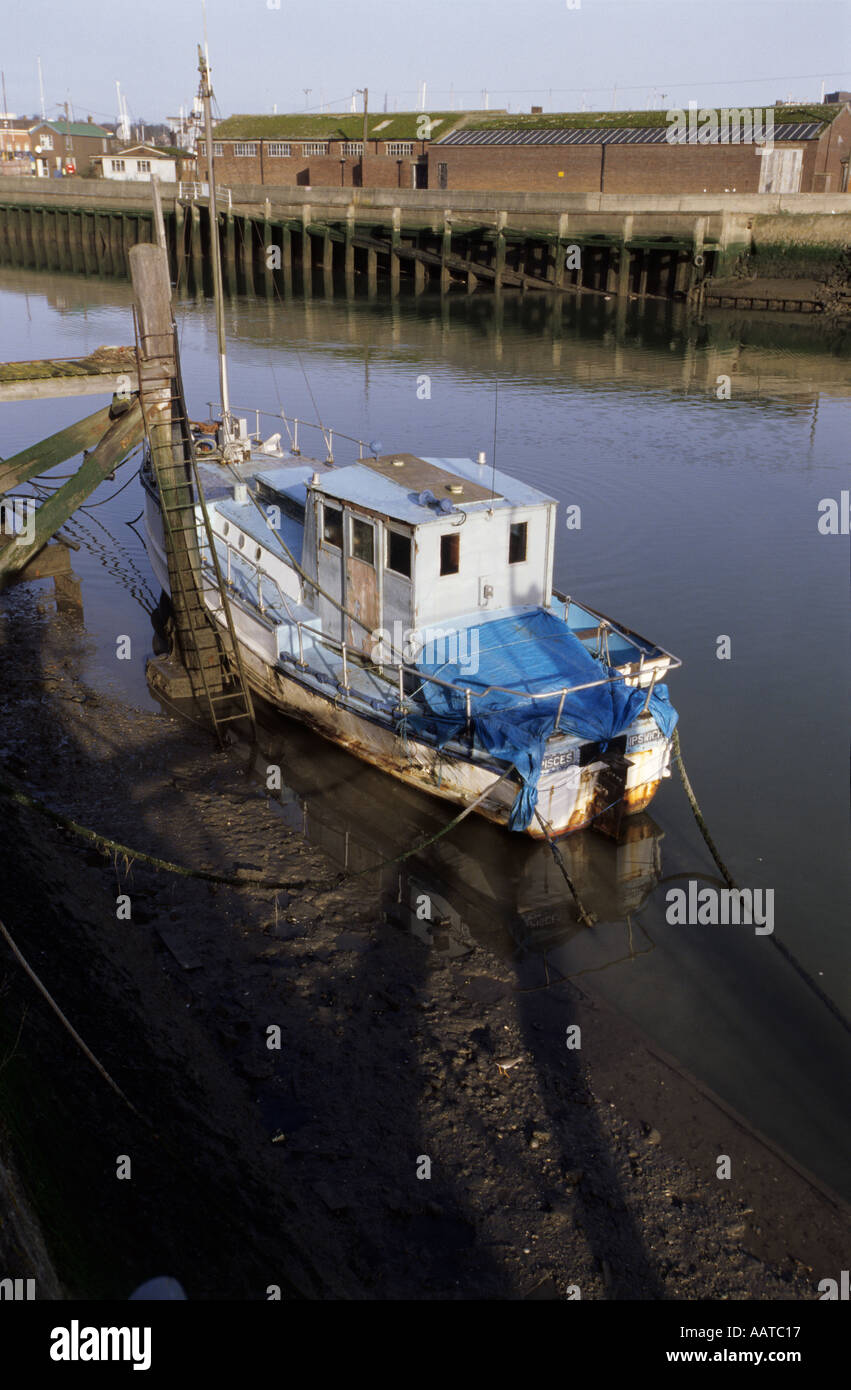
<point x="588" y="120"/>
<point x="383" y="125"/>
<point x="75" y="128"/>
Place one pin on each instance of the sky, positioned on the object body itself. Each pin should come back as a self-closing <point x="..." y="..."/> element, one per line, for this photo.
<point x="560" y="54"/>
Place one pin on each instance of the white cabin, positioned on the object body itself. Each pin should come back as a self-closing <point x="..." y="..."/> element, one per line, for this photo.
<point x="421" y="542"/>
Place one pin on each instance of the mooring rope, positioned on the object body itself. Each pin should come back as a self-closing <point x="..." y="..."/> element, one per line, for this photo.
<point x="104" y="843"/>
<point x="781" y="947"/>
<point x="66" y="1023"/>
<point x="585" y="917"/>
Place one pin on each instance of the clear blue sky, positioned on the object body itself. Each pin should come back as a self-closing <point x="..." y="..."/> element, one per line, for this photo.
<point x="605" y="52"/>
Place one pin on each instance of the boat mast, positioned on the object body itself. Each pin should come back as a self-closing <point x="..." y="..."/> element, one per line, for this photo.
<point x="215" y="249"/>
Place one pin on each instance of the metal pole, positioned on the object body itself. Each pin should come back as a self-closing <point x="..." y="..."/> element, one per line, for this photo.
<point x="206" y="97"/>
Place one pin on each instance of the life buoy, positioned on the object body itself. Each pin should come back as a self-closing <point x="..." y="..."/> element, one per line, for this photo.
<point x="698" y="259"/>
<point x="205" y="446"/>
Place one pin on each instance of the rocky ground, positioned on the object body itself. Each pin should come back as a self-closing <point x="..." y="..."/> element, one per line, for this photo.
<point x="304" y="1166"/>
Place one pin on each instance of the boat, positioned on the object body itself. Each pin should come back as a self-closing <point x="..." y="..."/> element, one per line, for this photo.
<point x="403" y="607"/>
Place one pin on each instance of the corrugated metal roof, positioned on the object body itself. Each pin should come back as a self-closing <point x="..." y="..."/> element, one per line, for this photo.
<point x="612" y="135"/>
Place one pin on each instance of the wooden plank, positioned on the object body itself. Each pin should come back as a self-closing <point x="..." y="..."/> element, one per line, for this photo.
<point x="122" y="436"/>
<point x="52" y="559"/>
<point x="103" y="372"/>
<point x="65" y="444"/>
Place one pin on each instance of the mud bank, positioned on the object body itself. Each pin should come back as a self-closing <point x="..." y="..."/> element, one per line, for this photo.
<point x="296" y="1167"/>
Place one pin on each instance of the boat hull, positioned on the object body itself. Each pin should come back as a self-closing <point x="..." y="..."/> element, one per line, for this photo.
<point x="569" y="798"/>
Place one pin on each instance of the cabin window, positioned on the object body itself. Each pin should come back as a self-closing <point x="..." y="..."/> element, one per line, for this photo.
<point x="332" y="526"/>
<point x="450" y="553"/>
<point x="363" y="541"/>
<point x="399" y="553"/>
<point x="517" y="542"/>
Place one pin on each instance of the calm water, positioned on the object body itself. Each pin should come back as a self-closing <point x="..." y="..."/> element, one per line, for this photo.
<point x="699" y="518"/>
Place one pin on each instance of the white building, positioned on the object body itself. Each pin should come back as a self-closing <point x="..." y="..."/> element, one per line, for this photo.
<point x="137" y="163"/>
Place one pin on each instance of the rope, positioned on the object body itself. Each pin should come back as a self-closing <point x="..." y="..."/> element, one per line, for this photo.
<point x="432" y="839"/>
<point x="64" y="1021"/>
<point x="698" y="815"/>
<point x="585" y="917"/>
<point x="783" y="949"/>
<point x="103" y="842"/>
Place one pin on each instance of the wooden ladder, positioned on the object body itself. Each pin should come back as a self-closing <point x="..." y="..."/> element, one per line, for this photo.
<point x="210" y="653"/>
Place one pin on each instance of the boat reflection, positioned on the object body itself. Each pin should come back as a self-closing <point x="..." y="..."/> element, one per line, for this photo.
<point x="478" y="885"/>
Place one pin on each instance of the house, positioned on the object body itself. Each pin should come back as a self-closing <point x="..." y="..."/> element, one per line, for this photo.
<point x="326" y="151"/>
<point x="15" y="148"/>
<point x="68" y="147"/>
<point x="140" y="163"/>
<point x="780" y="149"/>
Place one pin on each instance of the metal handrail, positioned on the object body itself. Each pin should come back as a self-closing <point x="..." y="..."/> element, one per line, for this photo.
<point x="328" y="434"/>
<point x="336" y="644"/>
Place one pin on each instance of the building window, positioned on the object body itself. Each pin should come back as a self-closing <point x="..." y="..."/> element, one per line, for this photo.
<point x="354" y="149"/>
<point x="332" y="526"/>
<point x="400" y="147"/>
<point x="47" y="142"/>
<point x="143" y="166"/>
<point x="363" y="541"/>
<point x="442" y="175"/>
<point x="517" y="543"/>
<point x="315" y="147"/>
<point x="245" y="151"/>
<point x="117" y="166"/>
<point x="399" y="553"/>
<point x="278" y="151"/>
<point x="450" y="553"/>
<point x="218" y="149"/>
<point x="202" y="147"/>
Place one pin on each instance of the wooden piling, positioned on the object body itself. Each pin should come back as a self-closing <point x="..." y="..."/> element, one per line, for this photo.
<point x="395" y="243"/>
<point x="446" y="251"/>
<point x="196" y="266"/>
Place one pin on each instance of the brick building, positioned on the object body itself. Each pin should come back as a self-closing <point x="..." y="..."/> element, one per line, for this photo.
<point x="327" y="151"/>
<point x="15" y="147"/>
<point x="630" y="152"/>
<point x="68" y="146"/>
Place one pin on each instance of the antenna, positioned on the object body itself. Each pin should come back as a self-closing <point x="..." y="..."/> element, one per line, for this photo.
<point x="41" y="90"/>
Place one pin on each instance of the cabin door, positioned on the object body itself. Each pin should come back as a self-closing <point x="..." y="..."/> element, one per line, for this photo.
<point x="362" y="584"/>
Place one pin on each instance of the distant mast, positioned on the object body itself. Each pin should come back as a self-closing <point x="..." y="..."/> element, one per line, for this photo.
<point x="206" y="98"/>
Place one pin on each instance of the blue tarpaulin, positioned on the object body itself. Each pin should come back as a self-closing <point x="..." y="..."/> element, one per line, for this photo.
<point x="531" y="652"/>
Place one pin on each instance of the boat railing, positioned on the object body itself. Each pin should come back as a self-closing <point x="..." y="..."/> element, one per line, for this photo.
<point x="292" y="424"/>
<point x="344" y="649"/>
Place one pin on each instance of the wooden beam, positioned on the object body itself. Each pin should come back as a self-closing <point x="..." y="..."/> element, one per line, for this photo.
<point x="102" y="373"/>
<point x="66" y="444"/>
<point x="122" y="436"/>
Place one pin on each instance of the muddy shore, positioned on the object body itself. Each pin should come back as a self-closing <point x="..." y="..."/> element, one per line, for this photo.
<point x="296" y="1167"/>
